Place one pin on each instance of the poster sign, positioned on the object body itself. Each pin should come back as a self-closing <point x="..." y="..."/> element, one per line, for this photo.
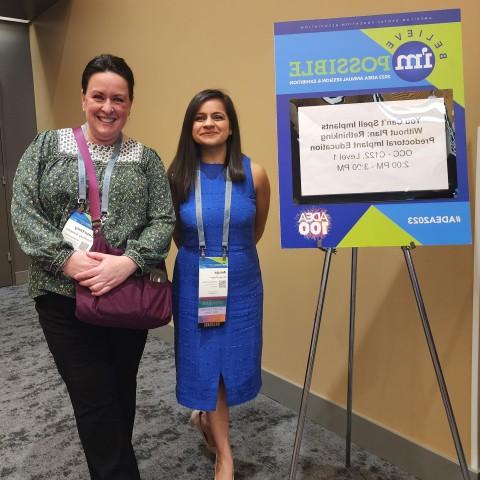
<point x="371" y="131"/>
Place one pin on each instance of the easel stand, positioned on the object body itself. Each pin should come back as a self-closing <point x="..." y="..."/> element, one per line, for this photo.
<point x="313" y="347"/>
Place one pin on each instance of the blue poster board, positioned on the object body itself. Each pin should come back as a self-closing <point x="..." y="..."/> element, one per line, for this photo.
<point x="371" y="131"/>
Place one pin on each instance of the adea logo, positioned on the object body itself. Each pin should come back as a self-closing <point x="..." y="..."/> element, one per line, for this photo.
<point x="313" y="224"/>
<point x="413" y="61"/>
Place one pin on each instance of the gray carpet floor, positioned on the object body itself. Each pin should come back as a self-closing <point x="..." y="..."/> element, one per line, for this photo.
<point x="38" y="439"/>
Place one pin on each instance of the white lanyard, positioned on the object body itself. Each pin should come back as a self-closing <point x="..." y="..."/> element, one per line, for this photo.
<point x="82" y="178"/>
<point x="226" y="213"/>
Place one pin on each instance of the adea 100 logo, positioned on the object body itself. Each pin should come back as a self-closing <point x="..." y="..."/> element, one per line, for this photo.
<point x="314" y="223"/>
<point x="413" y="61"/>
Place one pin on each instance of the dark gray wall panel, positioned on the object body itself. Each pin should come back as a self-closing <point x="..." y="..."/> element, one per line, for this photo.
<point x="17" y="116"/>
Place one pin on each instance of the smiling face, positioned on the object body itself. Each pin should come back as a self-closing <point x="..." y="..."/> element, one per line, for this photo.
<point x="211" y="126"/>
<point x="106" y="104"/>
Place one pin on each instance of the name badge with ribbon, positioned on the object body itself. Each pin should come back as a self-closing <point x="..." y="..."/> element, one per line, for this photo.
<point x="78" y="230"/>
<point x="212" y="271"/>
<point x="212" y="290"/>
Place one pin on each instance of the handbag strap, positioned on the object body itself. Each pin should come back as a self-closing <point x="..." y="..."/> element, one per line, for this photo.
<point x="93" y="193"/>
<point x="85" y="165"/>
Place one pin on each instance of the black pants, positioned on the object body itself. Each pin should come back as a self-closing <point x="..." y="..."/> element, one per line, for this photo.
<point x="99" y="367"/>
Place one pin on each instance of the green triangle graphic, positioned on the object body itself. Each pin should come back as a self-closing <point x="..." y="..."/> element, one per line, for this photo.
<point x="375" y="229"/>
<point x="446" y="41"/>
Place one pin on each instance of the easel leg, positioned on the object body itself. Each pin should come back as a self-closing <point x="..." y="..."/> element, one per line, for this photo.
<point x="436" y="363"/>
<point x="353" y="292"/>
<point x="311" y="359"/>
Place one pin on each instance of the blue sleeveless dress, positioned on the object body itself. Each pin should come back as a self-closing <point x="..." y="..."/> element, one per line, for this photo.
<point x="232" y="351"/>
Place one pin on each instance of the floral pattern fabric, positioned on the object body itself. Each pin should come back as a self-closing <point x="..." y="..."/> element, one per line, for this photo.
<point x="140" y="219"/>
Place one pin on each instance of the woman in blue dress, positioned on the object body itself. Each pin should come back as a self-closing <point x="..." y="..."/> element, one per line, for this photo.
<point x="217" y="348"/>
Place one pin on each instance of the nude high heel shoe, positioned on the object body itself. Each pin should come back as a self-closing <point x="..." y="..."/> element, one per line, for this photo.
<point x="196" y="421"/>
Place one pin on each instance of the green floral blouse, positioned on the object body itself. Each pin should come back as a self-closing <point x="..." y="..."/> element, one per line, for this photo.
<point x="141" y="217"/>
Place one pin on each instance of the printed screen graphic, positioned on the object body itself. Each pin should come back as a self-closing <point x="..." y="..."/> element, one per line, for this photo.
<point x="373" y="147"/>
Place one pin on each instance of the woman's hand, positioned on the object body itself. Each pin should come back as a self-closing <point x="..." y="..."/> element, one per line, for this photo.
<point x="110" y="271"/>
<point x="79" y="262"/>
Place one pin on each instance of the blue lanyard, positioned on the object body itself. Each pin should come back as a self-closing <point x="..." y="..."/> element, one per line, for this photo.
<point x="226" y="212"/>
<point x="82" y="177"/>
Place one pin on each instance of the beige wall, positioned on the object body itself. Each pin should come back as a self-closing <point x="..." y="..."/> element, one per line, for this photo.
<point x="178" y="48"/>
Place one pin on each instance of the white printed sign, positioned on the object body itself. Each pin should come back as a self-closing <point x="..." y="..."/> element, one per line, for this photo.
<point x="391" y="146"/>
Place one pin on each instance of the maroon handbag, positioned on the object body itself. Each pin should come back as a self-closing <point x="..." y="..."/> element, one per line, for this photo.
<point x="139" y="302"/>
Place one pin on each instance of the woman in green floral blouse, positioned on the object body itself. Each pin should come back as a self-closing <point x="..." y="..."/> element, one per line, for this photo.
<point x="99" y="365"/>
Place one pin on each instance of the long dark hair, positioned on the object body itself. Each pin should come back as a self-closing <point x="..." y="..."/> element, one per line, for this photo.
<point x="181" y="172"/>
<point x="108" y="63"/>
